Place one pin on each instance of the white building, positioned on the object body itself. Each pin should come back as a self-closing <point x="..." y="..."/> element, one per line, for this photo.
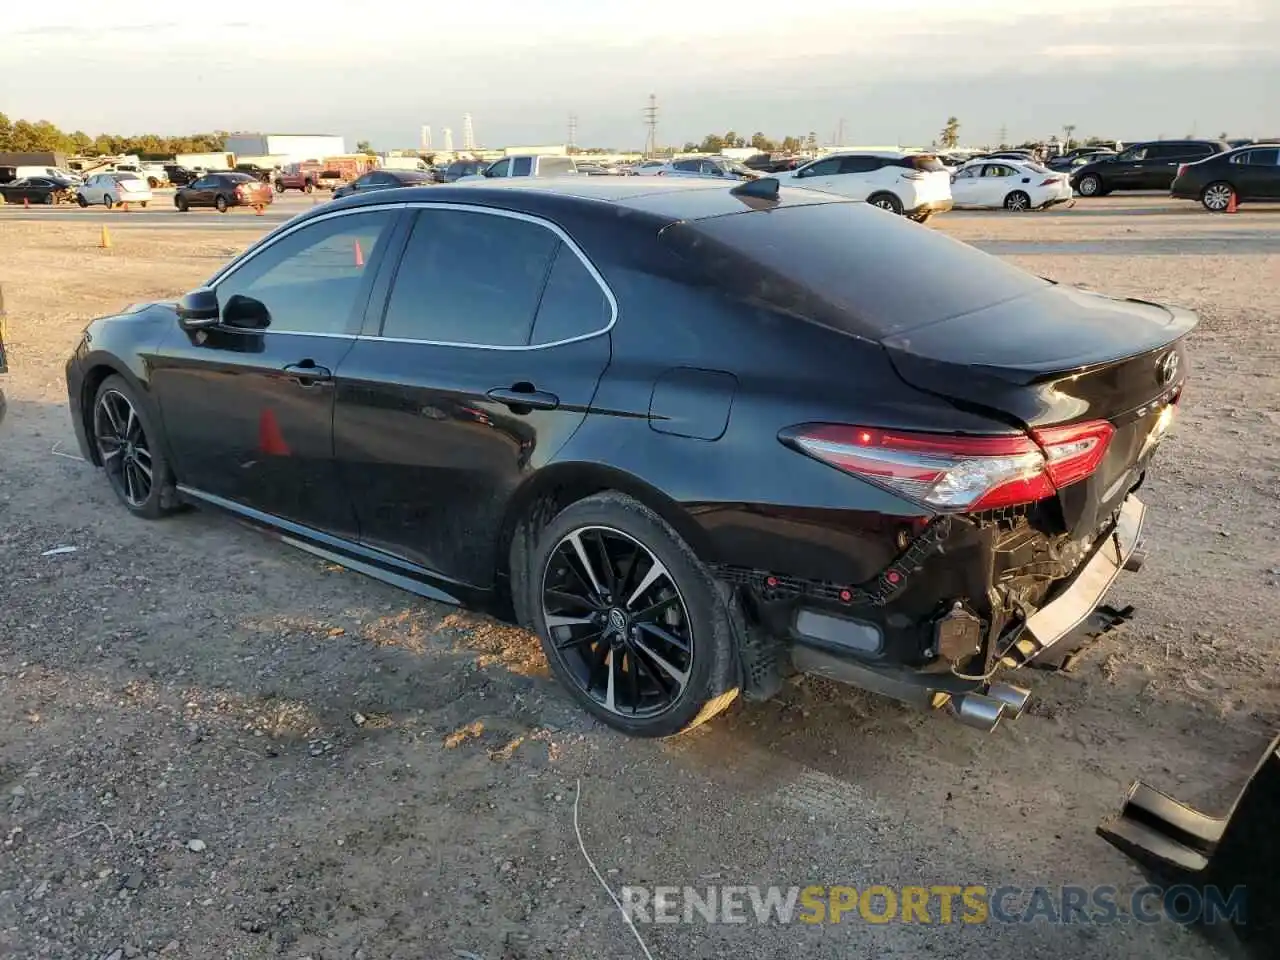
<point x="297" y="147"/>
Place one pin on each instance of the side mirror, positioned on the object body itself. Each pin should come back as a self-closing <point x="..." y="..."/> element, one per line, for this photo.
<point x="246" y="313"/>
<point x="198" y="310"/>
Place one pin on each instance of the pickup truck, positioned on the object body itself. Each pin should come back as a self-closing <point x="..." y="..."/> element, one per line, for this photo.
<point x="526" y="165"/>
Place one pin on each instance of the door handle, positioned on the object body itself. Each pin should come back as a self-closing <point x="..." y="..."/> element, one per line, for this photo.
<point x="522" y="398"/>
<point x="308" y="373"/>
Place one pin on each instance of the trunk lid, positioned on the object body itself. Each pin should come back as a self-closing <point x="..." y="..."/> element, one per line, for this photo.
<point x="1056" y="357"/>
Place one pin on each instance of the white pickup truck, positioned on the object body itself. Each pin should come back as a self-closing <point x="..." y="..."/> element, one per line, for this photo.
<point x="526" y="165"/>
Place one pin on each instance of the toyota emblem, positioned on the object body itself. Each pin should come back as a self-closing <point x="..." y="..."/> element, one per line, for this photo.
<point x="1167" y="367"/>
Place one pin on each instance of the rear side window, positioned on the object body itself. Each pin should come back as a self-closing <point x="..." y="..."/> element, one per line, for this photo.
<point x="859" y="164"/>
<point x="573" y="303"/>
<point x="1260" y="158"/>
<point x="847" y="266"/>
<point x="469" y="278"/>
<point x="555" y="166"/>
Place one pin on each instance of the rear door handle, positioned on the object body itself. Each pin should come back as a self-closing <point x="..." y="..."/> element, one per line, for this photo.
<point x="308" y="373"/>
<point x="524" y="400"/>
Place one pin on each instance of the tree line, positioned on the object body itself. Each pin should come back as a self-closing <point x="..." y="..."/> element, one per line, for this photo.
<point x="25" y="136"/>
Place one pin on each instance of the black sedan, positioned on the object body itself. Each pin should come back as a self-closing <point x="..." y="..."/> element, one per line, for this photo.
<point x="383" y="180"/>
<point x="45" y="190"/>
<point x="1249" y="174"/>
<point x="676" y="427"/>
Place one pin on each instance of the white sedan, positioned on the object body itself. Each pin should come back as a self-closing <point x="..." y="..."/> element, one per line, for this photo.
<point x="1011" y="184"/>
<point x="110" y="189"/>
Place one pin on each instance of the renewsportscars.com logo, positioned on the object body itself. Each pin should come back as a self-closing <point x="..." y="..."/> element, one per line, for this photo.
<point x="936" y="904"/>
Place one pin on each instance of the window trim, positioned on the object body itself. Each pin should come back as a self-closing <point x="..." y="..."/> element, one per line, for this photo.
<point x="511" y="215"/>
<point x="381" y="310"/>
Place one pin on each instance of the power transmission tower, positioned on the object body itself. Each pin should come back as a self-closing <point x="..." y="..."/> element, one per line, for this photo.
<point x="1004" y="135"/>
<point x="651" y="121"/>
<point x="468" y="133"/>
<point x="573" y="131"/>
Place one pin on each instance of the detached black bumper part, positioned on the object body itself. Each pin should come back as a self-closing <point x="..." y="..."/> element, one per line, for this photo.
<point x="1173" y="844"/>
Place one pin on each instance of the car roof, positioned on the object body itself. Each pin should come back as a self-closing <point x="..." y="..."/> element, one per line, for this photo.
<point x="667" y="200"/>
<point x="896" y="154"/>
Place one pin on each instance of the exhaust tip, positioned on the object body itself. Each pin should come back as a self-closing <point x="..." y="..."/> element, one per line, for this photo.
<point x="1014" y="698"/>
<point x="977" y="711"/>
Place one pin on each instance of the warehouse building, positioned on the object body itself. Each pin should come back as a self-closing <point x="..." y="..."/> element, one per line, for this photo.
<point x="296" y="147"/>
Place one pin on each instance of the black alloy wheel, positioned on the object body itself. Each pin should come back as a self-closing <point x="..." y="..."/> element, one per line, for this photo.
<point x="618" y="622"/>
<point x="220" y="202"/>
<point x="128" y="447"/>
<point x="124" y="448"/>
<point x="630" y="620"/>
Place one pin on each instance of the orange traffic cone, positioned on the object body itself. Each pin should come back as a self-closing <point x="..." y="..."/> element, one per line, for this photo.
<point x="105" y="242"/>
<point x="26" y="202"/>
<point x="359" y="255"/>
<point x="1231" y="204"/>
<point x="126" y="206"/>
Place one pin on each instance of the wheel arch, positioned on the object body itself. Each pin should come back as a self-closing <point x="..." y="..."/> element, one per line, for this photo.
<point x="554" y="487"/>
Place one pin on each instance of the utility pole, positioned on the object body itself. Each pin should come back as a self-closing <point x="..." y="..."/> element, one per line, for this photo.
<point x="1004" y="135"/>
<point x="573" y="132"/>
<point x="840" y="133"/>
<point x="651" y="121"/>
<point x="1067" y="130"/>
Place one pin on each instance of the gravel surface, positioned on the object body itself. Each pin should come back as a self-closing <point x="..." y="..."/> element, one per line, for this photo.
<point x="212" y="746"/>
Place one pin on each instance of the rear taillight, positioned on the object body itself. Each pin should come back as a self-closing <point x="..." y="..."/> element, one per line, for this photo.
<point x="1182" y="168"/>
<point x="1050" y="181"/>
<point x="960" y="473"/>
<point x="912" y="175"/>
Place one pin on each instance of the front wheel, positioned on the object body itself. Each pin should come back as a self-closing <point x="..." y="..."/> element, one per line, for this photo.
<point x="129" y="447"/>
<point x="1217" y="197"/>
<point x="279" y="187"/>
<point x="1017" y="201"/>
<point x="181" y="203"/>
<point x="1090" y="185"/>
<point x="81" y="200"/>
<point x="630" y="620"/>
<point x="309" y="188"/>
<point x="220" y="202"/>
<point x="886" y="201"/>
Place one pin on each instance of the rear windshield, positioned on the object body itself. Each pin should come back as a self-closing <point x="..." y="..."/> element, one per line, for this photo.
<point x="848" y="266"/>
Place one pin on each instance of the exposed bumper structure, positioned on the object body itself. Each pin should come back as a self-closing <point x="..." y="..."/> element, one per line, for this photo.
<point x="1175" y="844"/>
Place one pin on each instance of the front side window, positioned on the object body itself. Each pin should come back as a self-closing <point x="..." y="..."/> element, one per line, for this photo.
<point x="822" y="168"/>
<point x="968" y="173"/>
<point x="470" y="278"/>
<point x="1134" y="153"/>
<point x="500" y="169"/>
<point x="688" y="166"/>
<point x="522" y="167"/>
<point x="311" y="279"/>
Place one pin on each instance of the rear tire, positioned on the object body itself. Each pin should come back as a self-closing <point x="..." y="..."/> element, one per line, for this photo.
<point x="279" y="187"/>
<point x="309" y="188"/>
<point x="922" y="217"/>
<point x="107" y="201"/>
<point x="643" y="642"/>
<point x="143" y="204"/>
<point x="220" y="202"/>
<point x="1216" y="197"/>
<point x="1017" y="201"/>
<point x="886" y="201"/>
<point x="49" y="199"/>
<point x="1090" y="185"/>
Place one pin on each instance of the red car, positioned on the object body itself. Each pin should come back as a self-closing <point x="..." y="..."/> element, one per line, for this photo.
<point x="222" y="191"/>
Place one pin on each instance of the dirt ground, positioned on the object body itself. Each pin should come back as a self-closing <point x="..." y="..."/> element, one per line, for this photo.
<point x="212" y="746"/>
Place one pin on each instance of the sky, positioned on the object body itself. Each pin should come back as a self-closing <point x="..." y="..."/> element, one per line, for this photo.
<point x="884" y="71"/>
